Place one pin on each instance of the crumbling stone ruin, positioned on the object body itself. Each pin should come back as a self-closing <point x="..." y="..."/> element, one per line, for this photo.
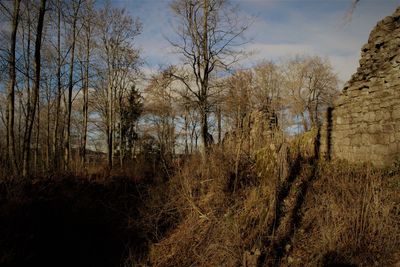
<point x="364" y="123"/>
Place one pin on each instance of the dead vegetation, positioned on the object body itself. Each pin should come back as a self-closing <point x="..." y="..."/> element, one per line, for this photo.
<point x="276" y="205"/>
<point x="289" y="209"/>
<point x="351" y="216"/>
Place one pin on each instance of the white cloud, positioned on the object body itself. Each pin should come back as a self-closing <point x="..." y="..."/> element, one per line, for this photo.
<point x="275" y="52"/>
<point x="281" y="29"/>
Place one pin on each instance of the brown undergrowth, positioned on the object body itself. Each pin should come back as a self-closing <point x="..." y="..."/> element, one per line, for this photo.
<point x="281" y="207"/>
<point x="205" y="231"/>
<point x="275" y="205"/>
<point x="350" y="216"/>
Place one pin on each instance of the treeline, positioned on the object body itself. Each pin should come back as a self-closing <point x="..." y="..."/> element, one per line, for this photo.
<point x="70" y="76"/>
<point x="61" y="62"/>
<point x="289" y="97"/>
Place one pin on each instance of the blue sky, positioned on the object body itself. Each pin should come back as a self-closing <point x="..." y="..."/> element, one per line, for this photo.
<point x="281" y="28"/>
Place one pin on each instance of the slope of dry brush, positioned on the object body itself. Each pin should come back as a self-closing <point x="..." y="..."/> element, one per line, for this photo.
<point x="288" y="210"/>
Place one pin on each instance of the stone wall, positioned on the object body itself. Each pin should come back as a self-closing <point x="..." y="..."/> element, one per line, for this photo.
<point x="364" y="123"/>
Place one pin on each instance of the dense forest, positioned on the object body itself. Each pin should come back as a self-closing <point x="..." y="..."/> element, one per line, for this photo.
<point x="201" y="163"/>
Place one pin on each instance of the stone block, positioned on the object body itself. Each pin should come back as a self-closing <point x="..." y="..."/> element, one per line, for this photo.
<point x="355" y="141"/>
<point x="367" y="139"/>
<point x="345" y="141"/>
<point x="394" y="149"/>
<point x="388" y="127"/>
<point x="384" y="104"/>
<point x="396" y="113"/>
<point x="392" y="138"/>
<point x="382" y="139"/>
<point x="383" y="115"/>
<point x="380" y="149"/>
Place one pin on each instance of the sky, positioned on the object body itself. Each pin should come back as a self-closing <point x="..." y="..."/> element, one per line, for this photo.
<point x="280" y="29"/>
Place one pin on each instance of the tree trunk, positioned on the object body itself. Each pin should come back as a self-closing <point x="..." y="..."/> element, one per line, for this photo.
<point x="58" y="101"/>
<point x="219" y="125"/>
<point x="110" y="126"/>
<point x="67" y="141"/>
<point x="304" y="122"/>
<point x="204" y="84"/>
<point x="37" y="138"/>
<point x="28" y="87"/>
<point x="186" y="131"/>
<point x="20" y="130"/>
<point x="85" y="100"/>
<point x="31" y="116"/>
<point x="204" y="130"/>
<point x="48" y="140"/>
<point x="11" y="91"/>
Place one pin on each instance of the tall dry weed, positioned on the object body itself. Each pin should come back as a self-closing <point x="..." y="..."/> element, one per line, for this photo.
<point x="230" y="206"/>
<point x="226" y="205"/>
<point x="351" y="216"/>
<point x="207" y="235"/>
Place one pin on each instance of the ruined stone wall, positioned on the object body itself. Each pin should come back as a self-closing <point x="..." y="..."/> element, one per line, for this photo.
<point x="364" y="123"/>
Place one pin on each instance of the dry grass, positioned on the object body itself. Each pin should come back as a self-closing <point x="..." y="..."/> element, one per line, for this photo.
<point x="225" y="205"/>
<point x="253" y="206"/>
<point x="224" y="209"/>
<point x="351" y="216"/>
<point x="206" y="233"/>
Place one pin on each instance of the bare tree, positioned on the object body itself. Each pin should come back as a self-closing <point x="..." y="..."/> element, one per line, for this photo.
<point x="88" y="31"/>
<point x="76" y="4"/>
<point x="237" y="104"/>
<point x="349" y="14"/>
<point x="311" y="85"/>
<point x="59" y="88"/>
<point x="117" y="32"/>
<point x="31" y="117"/>
<point x="208" y="31"/>
<point x="161" y="112"/>
<point x="11" y="90"/>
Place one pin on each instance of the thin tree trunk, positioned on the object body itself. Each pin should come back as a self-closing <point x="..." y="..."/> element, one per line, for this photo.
<point x="11" y="91"/>
<point x="204" y="84"/>
<point x="85" y="100"/>
<point x="172" y="136"/>
<point x="28" y="89"/>
<point x="37" y="137"/>
<point x="27" y="81"/>
<point x="58" y="102"/>
<point x="48" y="142"/>
<point x="67" y="141"/>
<point x="31" y="116"/>
<point x="304" y="122"/>
<point x="20" y="130"/>
<point x="110" y="126"/>
<point x="204" y="130"/>
<point x="46" y="160"/>
<point x="186" y="132"/>
<point x="23" y="131"/>
<point x="121" y="146"/>
<point x="219" y="125"/>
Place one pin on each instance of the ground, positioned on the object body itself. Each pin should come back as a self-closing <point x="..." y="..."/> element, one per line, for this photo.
<point x="69" y="222"/>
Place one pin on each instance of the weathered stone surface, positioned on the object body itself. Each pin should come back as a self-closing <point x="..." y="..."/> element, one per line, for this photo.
<point x="364" y="123"/>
